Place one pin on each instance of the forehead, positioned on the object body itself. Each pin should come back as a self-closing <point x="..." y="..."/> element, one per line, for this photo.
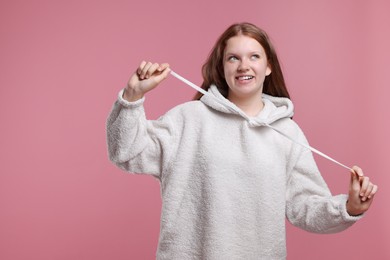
<point x="242" y="43"/>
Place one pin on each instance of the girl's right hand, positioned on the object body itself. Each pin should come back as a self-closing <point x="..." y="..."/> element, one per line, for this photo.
<point x="146" y="78"/>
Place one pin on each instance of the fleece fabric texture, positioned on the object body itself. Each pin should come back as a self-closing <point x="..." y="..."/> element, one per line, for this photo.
<point x="227" y="181"/>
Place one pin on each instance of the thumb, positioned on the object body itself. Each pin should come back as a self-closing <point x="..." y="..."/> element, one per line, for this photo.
<point x="163" y="75"/>
<point x="356" y="175"/>
<point x="354" y="180"/>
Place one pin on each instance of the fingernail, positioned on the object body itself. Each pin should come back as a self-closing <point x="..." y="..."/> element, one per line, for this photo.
<point x="364" y="199"/>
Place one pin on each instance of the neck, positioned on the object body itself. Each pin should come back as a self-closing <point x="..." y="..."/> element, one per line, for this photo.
<point x="251" y="106"/>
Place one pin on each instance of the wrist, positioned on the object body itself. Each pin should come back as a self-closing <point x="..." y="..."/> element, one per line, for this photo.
<point x="351" y="211"/>
<point x="131" y="95"/>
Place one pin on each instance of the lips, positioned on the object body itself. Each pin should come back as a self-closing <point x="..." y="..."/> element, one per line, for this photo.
<point x="244" y="77"/>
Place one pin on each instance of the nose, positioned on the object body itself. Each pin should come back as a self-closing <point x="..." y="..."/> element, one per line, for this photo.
<point x="243" y="66"/>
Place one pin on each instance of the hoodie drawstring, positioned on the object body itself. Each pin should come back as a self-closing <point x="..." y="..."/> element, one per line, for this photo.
<point x="204" y="92"/>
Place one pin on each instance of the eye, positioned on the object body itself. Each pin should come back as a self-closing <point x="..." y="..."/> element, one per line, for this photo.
<point x="232" y="58"/>
<point x="255" y="56"/>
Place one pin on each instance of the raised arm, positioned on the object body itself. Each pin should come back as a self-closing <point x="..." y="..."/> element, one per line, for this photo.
<point x="136" y="144"/>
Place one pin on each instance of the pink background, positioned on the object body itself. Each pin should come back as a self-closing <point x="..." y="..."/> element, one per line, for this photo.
<point x="63" y="62"/>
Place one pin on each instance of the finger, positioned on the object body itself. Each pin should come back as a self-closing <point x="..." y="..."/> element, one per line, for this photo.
<point x="163" y="66"/>
<point x="152" y="69"/>
<point x="144" y="70"/>
<point x="373" y="192"/>
<point x="358" y="171"/>
<point x="368" y="191"/>
<point x="140" y="67"/>
<point x="365" y="181"/>
<point x="355" y="183"/>
<point x="163" y="75"/>
<point x="166" y="72"/>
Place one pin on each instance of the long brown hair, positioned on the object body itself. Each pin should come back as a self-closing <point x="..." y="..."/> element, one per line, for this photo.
<point x="213" y="73"/>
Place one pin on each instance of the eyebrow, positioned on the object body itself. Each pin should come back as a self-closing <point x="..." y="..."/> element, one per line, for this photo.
<point x="252" y="52"/>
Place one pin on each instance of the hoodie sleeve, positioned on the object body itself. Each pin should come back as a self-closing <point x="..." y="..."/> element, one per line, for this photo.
<point x="135" y="144"/>
<point x="310" y="204"/>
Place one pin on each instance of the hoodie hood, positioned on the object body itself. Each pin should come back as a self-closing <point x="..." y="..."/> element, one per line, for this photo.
<point x="275" y="108"/>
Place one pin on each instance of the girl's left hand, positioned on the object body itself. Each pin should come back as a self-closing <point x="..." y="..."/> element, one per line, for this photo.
<point x="361" y="192"/>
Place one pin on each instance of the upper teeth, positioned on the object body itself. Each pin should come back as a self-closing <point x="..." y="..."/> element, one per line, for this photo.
<point x="245" y="77"/>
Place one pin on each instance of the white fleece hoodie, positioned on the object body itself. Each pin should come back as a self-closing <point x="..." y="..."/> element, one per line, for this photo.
<point x="227" y="181"/>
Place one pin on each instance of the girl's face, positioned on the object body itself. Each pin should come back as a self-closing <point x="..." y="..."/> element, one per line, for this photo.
<point x="245" y="67"/>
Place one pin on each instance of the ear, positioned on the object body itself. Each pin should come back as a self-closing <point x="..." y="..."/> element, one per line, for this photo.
<point x="268" y="70"/>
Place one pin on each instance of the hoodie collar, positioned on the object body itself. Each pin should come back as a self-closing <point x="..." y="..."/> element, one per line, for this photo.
<point x="275" y="108"/>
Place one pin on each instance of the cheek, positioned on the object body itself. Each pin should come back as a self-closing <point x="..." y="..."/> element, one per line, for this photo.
<point x="263" y="69"/>
<point x="228" y="71"/>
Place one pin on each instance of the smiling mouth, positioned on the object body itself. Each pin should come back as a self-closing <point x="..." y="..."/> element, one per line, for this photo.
<point x="244" y="77"/>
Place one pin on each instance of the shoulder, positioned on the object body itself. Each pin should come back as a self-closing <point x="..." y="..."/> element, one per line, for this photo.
<point x="191" y="105"/>
<point x="191" y="111"/>
<point x="290" y="128"/>
<point x="288" y="125"/>
<point x="188" y="108"/>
